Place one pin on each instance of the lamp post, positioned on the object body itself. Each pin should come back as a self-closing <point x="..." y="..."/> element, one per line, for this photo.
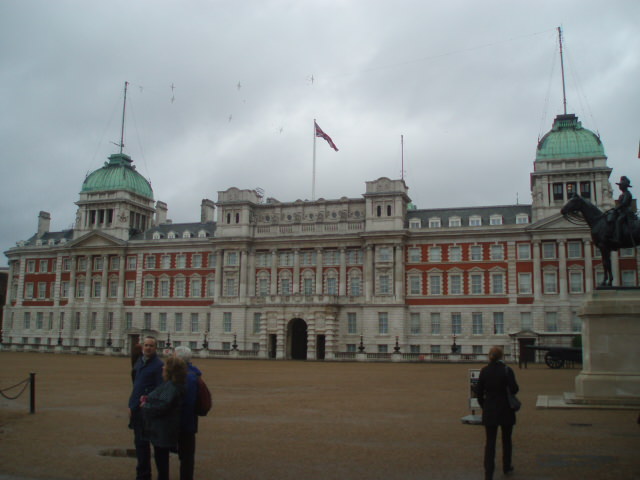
<point x="59" y="338"/>
<point x="455" y="348"/>
<point x="168" y="344"/>
<point x="234" y="345"/>
<point x="361" y="346"/>
<point x="109" y="341"/>
<point x="396" y="349"/>
<point x="205" y="343"/>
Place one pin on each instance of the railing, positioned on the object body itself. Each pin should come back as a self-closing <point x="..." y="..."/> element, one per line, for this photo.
<point x="268" y="230"/>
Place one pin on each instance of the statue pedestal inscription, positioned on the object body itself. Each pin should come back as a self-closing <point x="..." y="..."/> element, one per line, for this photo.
<point x="610" y="349"/>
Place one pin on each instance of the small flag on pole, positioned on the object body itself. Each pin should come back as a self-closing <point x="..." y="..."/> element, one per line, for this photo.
<point x="321" y="134"/>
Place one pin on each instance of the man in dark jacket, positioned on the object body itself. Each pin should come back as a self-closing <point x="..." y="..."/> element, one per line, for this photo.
<point x="496" y="412"/>
<point x="189" y="419"/>
<point x="148" y="375"/>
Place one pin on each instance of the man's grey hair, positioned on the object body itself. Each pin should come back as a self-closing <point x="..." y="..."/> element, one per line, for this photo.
<point x="184" y="353"/>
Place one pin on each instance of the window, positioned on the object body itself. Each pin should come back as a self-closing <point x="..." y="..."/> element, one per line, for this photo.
<point x="110" y="321"/>
<point x="455" y="284"/>
<point x="130" y="288"/>
<point x="128" y="320"/>
<point x="415" y="223"/>
<point x="285" y="283"/>
<point x="476" y="283"/>
<point x="524" y="251"/>
<point x="42" y="290"/>
<point x="165" y="262"/>
<point x="257" y="322"/>
<point x="384" y="285"/>
<point x="177" y="318"/>
<point x="212" y="260"/>
<point x="195" y="323"/>
<point x="498" y="323"/>
<point x="383" y="348"/>
<point x="551" y="321"/>
<point x="64" y="289"/>
<point x="355" y="285"/>
<point x="354" y="257"/>
<point x="78" y="320"/>
<point x="476" y="253"/>
<point x="435" y="254"/>
<point x="434" y="222"/>
<point x="585" y="189"/>
<point x="497" y="283"/>
<point x="285" y="259"/>
<point x="232" y="259"/>
<point x="211" y="287"/>
<point x="66" y="264"/>
<point x="113" y="287"/>
<point x="414" y="323"/>
<point x="415" y="287"/>
<point x="27" y="320"/>
<point x="230" y="287"/>
<point x="475" y="221"/>
<point x="526" y="321"/>
<point x="415" y="254"/>
<point x="435" y="284"/>
<point x="495" y="220"/>
<point x="352" y="323"/>
<point x="308" y="287"/>
<point x="331" y="257"/>
<point x="132" y="262"/>
<point x="98" y="264"/>
<point x="497" y="252"/>
<point x="576" y="322"/>
<point x="147" y="320"/>
<point x="383" y="323"/>
<point x="79" y="287"/>
<point x="332" y="286"/>
<point x="476" y="320"/>
<point x="162" y="321"/>
<point x="179" y="287"/>
<point x="150" y="261"/>
<point x="456" y="323"/>
<point x="148" y="288"/>
<point x="455" y="222"/>
<point x="522" y="218"/>
<point x="627" y="252"/>
<point x="114" y="263"/>
<point x="571" y="189"/>
<point x="557" y="191"/>
<point x="196" y="288"/>
<point x="181" y="261"/>
<point x="434" y="349"/>
<point x="82" y="264"/>
<point x="384" y="254"/>
<point x="548" y="250"/>
<point x="524" y="283"/>
<point x="263" y="259"/>
<point x="196" y="261"/>
<point x="39" y="320"/>
<point x="435" y="323"/>
<point x="31" y="266"/>
<point x="575" y="282"/>
<point x="628" y="278"/>
<point x="574" y="249"/>
<point x="164" y="287"/>
<point x="44" y="264"/>
<point x="226" y="322"/>
<point x="455" y="254"/>
<point x="307" y="258"/>
<point x="96" y="288"/>
<point x="263" y="286"/>
<point x="550" y="282"/>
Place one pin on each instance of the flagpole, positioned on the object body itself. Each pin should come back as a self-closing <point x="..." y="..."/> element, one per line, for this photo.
<point x="313" y="175"/>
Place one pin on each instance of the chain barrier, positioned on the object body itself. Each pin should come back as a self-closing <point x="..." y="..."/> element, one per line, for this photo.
<point x="31" y="382"/>
<point x="25" y="383"/>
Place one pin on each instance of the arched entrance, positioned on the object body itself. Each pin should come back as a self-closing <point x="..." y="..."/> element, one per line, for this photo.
<point x="297" y="339"/>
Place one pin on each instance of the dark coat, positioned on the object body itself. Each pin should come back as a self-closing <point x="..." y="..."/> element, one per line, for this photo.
<point x="148" y="375"/>
<point x="189" y="419"/>
<point x="492" y="394"/>
<point x="162" y="414"/>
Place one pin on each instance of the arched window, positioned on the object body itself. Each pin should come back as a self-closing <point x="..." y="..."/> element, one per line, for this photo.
<point x="388" y="210"/>
<point x="379" y="210"/>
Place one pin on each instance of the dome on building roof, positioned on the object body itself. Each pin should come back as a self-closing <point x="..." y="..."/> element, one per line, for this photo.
<point x="568" y="139"/>
<point x="118" y="174"/>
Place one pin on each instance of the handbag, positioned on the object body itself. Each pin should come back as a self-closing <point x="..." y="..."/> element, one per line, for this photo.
<point x="514" y="403"/>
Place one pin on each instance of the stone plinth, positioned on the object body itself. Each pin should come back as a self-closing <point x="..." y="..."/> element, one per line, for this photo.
<point x="610" y="349"/>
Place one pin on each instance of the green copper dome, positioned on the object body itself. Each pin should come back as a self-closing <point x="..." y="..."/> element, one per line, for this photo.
<point x="118" y="174"/>
<point x="567" y="139"/>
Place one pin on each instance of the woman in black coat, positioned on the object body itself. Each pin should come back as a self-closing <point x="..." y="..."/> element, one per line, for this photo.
<point x="162" y="410"/>
<point x="496" y="412"/>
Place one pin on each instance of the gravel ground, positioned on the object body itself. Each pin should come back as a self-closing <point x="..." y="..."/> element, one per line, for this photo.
<point x="306" y="420"/>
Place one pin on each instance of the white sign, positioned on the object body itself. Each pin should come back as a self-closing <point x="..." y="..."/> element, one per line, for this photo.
<point x="474" y="376"/>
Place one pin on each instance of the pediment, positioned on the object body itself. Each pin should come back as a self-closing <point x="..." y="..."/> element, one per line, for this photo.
<point x="554" y="223"/>
<point x="96" y="239"/>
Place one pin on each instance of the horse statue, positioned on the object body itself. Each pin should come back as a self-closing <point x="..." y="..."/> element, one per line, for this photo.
<point x="602" y="231"/>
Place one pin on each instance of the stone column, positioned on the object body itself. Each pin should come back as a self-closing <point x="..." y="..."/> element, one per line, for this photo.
<point x="243" y="275"/>
<point x="57" y="282"/>
<point x="562" y="270"/>
<point x="342" y="286"/>
<point x="399" y="273"/>
<point x="296" y="271"/>
<point x="105" y="279"/>
<point x="588" y="266"/>
<point x="251" y="285"/>
<point x="218" y="277"/>
<point x="368" y="272"/>
<point x="330" y="340"/>
<point x="139" y="284"/>
<point x="72" y="280"/>
<point x="311" y="340"/>
<point x="319" y="272"/>
<point x="121" y="278"/>
<point x="21" y="273"/>
<point x="537" y="271"/>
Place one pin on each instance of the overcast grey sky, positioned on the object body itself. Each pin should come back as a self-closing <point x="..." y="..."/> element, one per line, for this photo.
<point x="471" y="86"/>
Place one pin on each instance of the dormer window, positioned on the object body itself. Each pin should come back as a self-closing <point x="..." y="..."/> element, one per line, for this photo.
<point x="495" y="220"/>
<point x="202" y="234"/>
<point x="455" y="222"/>
<point x="522" y="218"/>
<point x="186" y="234"/>
<point x="171" y="235"/>
<point x="475" y="221"/>
<point x="415" y="223"/>
<point x="157" y="236"/>
<point x="434" y="222"/>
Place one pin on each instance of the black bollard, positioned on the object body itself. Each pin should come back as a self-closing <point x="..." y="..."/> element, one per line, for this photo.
<point x="32" y="402"/>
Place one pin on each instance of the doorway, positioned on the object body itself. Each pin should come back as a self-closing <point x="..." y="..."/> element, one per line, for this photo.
<point x="273" y="345"/>
<point x="320" y="341"/>
<point x="526" y="354"/>
<point x="297" y="339"/>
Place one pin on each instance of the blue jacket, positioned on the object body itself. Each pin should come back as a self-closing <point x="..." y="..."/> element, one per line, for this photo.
<point x="189" y="419"/>
<point x="148" y="377"/>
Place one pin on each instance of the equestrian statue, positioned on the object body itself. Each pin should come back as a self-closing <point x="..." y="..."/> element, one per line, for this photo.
<point x="612" y="230"/>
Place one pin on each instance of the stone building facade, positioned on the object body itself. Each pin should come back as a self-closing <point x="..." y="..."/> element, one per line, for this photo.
<point x="353" y="278"/>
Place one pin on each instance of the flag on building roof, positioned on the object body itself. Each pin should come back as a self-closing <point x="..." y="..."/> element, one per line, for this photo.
<point x="321" y="134"/>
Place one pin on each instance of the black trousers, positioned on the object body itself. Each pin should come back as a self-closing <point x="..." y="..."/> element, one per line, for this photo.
<point x="161" y="456"/>
<point x="143" y="448"/>
<point x="186" y="453"/>
<point x="490" y="448"/>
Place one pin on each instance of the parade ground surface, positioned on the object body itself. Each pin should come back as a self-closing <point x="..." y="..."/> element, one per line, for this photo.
<point x="306" y="420"/>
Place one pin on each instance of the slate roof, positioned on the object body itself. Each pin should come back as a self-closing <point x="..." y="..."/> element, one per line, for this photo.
<point x="508" y="213"/>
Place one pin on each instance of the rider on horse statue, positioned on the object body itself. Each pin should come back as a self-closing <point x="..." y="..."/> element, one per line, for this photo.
<point x="622" y="213"/>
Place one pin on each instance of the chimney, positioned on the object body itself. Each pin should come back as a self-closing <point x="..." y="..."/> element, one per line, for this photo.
<point x="207" y="211"/>
<point x="44" y="221"/>
<point x="161" y="213"/>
